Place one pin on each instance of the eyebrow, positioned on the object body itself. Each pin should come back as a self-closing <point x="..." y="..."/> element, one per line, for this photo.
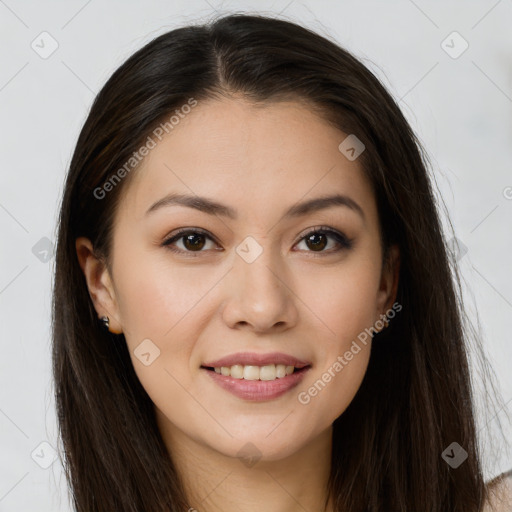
<point x="211" y="207"/>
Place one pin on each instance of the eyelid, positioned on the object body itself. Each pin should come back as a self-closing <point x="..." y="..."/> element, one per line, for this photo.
<point x="185" y="231"/>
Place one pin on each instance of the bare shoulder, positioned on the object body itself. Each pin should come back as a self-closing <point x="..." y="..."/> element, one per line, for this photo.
<point x="500" y="494"/>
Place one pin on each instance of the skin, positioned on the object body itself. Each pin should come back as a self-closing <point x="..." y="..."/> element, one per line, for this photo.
<point x="291" y="299"/>
<point x="500" y="494"/>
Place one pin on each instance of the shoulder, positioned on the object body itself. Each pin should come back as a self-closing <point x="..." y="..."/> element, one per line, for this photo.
<point x="499" y="491"/>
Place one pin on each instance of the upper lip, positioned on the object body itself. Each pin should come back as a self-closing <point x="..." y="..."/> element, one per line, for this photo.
<point x="252" y="358"/>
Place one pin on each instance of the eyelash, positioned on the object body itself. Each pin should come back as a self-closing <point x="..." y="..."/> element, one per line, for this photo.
<point x="344" y="242"/>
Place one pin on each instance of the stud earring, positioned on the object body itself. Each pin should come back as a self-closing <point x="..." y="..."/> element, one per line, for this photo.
<point x="105" y="321"/>
<point x="386" y="325"/>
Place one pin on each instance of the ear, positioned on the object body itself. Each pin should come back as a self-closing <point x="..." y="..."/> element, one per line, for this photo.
<point x="389" y="280"/>
<point x="99" y="283"/>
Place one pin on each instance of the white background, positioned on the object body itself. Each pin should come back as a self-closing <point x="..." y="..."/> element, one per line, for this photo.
<point x="461" y="108"/>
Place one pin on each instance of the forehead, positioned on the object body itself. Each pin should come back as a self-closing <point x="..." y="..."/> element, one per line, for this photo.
<point x="256" y="159"/>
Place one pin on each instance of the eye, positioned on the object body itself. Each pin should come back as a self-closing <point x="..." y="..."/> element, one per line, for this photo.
<point x="193" y="241"/>
<point x="317" y="240"/>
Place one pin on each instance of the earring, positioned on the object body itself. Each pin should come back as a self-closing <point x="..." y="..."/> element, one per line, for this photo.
<point x="386" y="325"/>
<point x="105" y="321"/>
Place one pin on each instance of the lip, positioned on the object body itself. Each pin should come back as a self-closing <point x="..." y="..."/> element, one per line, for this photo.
<point x="258" y="390"/>
<point x="255" y="359"/>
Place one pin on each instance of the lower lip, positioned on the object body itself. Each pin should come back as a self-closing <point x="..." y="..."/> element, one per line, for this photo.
<point x="258" y="390"/>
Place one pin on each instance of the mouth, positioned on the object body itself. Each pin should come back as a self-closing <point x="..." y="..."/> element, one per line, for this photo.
<point x="257" y="389"/>
<point x="267" y="372"/>
<point x="257" y="377"/>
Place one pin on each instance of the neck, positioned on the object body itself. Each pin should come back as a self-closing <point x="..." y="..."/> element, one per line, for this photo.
<point x="214" y="482"/>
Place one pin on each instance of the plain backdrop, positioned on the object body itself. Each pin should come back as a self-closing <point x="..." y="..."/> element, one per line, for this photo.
<point x="447" y="63"/>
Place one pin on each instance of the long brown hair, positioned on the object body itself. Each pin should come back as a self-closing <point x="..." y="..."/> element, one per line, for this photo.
<point x="415" y="399"/>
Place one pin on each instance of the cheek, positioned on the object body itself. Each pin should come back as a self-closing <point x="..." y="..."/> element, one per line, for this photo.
<point x="155" y="297"/>
<point x="170" y="305"/>
<point x="343" y="298"/>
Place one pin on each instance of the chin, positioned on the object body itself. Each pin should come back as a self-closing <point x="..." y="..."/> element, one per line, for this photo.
<point x="253" y="446"/>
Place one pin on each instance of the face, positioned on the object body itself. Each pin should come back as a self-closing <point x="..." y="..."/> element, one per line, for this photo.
<point x="247" y="281"/>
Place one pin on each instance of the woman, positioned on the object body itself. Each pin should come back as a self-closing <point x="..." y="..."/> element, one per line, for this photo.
<point x="253" y="302"/>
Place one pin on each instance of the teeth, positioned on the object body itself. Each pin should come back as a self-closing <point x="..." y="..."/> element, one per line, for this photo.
<point x="249" y="372"/>
<point x="237" y="371"/>
<point x="280" y="371"/>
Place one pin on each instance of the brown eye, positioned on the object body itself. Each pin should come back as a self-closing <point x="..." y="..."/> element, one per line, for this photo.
<point x="316" y="241"/>
<point x="192" y="241"/>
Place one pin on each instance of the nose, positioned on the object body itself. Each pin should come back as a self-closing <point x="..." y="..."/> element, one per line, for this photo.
<point x="258" y="297"/>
